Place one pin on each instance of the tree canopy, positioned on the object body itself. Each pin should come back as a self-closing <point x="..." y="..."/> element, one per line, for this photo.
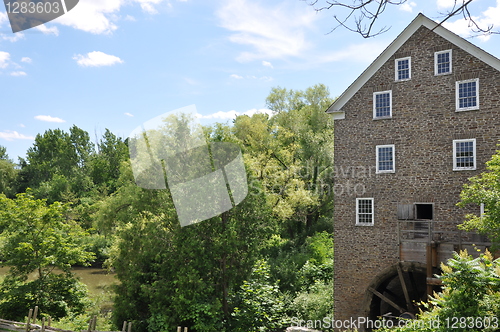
<point x="484" y="190"/>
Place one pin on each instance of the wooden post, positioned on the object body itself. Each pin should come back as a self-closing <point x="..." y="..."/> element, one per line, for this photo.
<point x="50" y="321"/>
<point x="43" y="324"/>
<point x="91" y="321"/>
<point x="30" y="313"/>
<point x="179" y="329"/>
<point x="35" y="313"/>
<point x="124" y="328"/>
<point x="428" y="258"/>
<point x="129" y="327"/>
<point x="185" y="329"/>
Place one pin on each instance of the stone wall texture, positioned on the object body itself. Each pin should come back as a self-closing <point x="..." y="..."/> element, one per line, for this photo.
<point x="423" y="125"/>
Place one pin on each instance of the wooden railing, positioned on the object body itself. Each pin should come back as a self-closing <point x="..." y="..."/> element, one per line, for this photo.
<point x="45" y="326"/>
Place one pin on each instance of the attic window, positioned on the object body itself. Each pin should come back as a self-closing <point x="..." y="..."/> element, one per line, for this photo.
<point x="382" y="104"/>
<point x="442" y="62"/>
<point x="403" y="69"/>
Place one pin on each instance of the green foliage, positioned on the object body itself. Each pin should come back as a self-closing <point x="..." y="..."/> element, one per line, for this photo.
<point x="8" y="175"/>
<point x="469" y="286"/>
<point x="470" y="297"/>
<point x="484" y="188"/>
<point x="105" y="164"/>
<point x="261" y="307"/>
<point x="59" y="152"/>
<point x="38" y="238"/>
<point x="291" y="155"/>
<point x="316" y="303"/>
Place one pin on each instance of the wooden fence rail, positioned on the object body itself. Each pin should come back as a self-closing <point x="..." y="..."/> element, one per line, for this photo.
<point x="32" y="326"/>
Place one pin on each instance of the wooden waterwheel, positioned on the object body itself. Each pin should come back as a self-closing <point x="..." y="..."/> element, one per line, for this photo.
<point x="397" y="292"/>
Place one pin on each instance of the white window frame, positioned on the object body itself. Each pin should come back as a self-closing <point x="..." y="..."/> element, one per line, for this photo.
<point x="375" y="94"/>
<point x="436" y="63"/>
<point x="358" y="223"/>
<point x="396" y="71"/>
<point x="378" y="171"/>
<point x="455" y="168"/>
<point x="457" y="102"/>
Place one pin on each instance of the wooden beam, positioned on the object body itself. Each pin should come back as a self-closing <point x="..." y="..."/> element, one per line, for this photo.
<point x="386" y="299"/>
<point x="409" y="305"/>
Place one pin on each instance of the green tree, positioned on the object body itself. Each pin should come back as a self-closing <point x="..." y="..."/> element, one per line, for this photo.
<point x="3" y="153"/>
<point x="172" y="275"/>
<point x="56" y="165"/>
<point x="291" y="153"/>
<point x="484" y="189"/>
<point x="105" y="164"/>
<point x="8" y="174"/>
<point x="40" y="239"/>
<point x="260" y="307"/>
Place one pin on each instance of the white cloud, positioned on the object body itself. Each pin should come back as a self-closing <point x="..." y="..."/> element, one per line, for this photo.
<point x="365" y="53"/>
<point x="408" y="6"/>
<point x="238" y="77"/>
<point x="96" y="59"/>
<point x="48" y="31"/>
<point x="18" y="73"/>
<point x="22" y="125"/>
<point x="443" y="4"/>
<point x="17" y="36"/>
<point x="230" y="115"/>
<point x="99" y="16"/>
<point x="128" y="114"/>
<point x="26" y="59"/>
<point x="270" y="32"/>
<point x="489" y="18"/>
<point x="148" y="5"/>
<point x="10" y="135"/>
<point x="267" y="64"/>
<point x="4" y="59"/>
<point x="48" y="118"/>
<point x="256" y="111"/>
<point x="3" y="18"/>
<point x="130" y="18"/>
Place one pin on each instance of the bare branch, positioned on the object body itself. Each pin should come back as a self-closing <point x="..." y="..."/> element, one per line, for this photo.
<point x="362" y="16"/>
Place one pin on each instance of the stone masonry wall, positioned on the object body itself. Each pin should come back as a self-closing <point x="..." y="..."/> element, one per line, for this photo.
<point x="423" y="125"/>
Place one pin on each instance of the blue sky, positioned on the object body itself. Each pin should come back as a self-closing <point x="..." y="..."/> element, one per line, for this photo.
<point x="118" y="63"/>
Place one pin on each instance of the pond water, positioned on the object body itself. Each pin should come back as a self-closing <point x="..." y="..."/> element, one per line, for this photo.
<point x="97" y="280"/>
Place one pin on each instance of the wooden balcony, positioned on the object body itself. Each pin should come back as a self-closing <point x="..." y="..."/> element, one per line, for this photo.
<point x="420" y="238"/>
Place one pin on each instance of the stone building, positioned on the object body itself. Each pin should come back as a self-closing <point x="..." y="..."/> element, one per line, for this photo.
<point x="419" y="121"/>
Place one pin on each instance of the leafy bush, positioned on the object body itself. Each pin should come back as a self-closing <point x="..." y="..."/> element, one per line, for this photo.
<point x="470" y="297"/>
<point x="314" y="304"/>
<point x="261" y="307"/>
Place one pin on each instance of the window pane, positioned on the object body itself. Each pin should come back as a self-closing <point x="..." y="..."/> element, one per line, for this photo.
<point x="382" y="104"/>
<point x="385" y="160"/>
<point x="365" y="211"/>
<point x="467" y="95"/>
<point x="464" y="154"/>
<point x="403" y="69"/>
<point x="443" y="63"/>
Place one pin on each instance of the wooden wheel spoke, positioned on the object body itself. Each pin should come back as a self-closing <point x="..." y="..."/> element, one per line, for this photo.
<point x="386" y="299"/>
<point x="409" y="305"/>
